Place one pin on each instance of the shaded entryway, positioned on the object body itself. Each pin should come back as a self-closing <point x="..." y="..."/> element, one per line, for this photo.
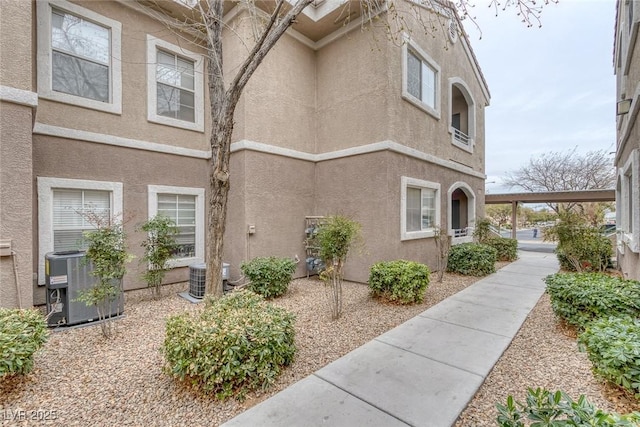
<point x="462" y="202"/>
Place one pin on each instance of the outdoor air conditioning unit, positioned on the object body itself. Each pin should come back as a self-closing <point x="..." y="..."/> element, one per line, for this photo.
<point x="198" y="275"/>
<point x="67" y="273"/>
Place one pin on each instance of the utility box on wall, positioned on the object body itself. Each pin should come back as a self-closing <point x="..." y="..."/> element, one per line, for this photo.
<point x="66" y="275"/>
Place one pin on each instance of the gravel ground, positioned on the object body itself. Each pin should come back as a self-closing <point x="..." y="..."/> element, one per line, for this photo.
<point x="81" y="379"/>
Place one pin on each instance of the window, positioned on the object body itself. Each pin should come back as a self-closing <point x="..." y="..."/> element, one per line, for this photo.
<point x="628" y="191"/>
<point x="72" y="213"/>
<point x="420" y="214"/>
<point x="421" y="79"/>
<point x="78" y="56"/>
<point x="185" y="206"/>
<point x="174" y="85"/>
<point x="62" y="205"/>
<point x="182" y="210"/>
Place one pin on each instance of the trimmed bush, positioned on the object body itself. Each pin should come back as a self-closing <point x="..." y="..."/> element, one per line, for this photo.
<point x="472" y="259"/>
<point x="22" y="333"/>
<point x="579" y="298"/>
<point x="236" y="344"/>
<point x="613" y="346"/>
<point x="544" y="408"/>
<point x="507" y="249"/>
<point x="399" y="281"/>
<point x="269" y="276"/>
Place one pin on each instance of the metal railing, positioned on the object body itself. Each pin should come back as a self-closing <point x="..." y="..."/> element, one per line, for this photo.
<point x="460" y="232"/>
<point x="460" y="136"/>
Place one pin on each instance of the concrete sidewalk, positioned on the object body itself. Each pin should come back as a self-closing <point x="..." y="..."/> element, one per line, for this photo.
<point x="423" y="372"/>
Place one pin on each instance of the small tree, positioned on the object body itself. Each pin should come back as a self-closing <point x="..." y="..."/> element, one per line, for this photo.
<point x="335" y="238"/>
<point x="482" y="232"/>
<point x="108" y="255"/>
<point x="158" y="249"/>
<point x="443" y="245"/>
<point x="581" y="247"/>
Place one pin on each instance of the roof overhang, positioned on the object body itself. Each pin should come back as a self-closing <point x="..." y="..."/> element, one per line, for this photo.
<point x="607" y="195"/>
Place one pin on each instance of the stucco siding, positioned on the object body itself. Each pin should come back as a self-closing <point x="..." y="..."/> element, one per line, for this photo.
<point x="15" y="203"/>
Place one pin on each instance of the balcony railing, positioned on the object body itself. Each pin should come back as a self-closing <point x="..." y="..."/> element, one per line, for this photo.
<point x="460" y="232"/>
<point x="460" y="136"/>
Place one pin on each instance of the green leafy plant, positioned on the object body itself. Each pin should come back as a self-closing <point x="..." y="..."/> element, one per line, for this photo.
<point x="108" y="255"/>
<point x="237" y="343"/>
<point x="581" y="247"/>
<point x="399" y="281"/>
<point x="482" y="231"/>
<point x="158" y="249"/>
<point x="269" y="276"/>
<point x="22" y="333"/>
<point x="507" y="249"/>
<point x="543" y="408"/>
<point x="335" y="238"/>
<point x="472" y="259"/>
<point x="579" y="298"/>
<point x="613" y="346"/>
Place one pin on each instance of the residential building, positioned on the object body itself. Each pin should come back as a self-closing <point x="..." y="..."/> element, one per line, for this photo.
<point x="105" y="109"/>
<point x="627" y="160"/>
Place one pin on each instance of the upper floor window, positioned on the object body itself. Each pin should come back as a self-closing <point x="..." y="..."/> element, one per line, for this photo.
<point x="420" y="202"/>
<point x="421" y="79"/>
<point x="175" y="85"/>
<point x="78" y="56"/>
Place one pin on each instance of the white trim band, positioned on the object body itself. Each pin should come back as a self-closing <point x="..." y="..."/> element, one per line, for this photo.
<point x="101" y="138"/>
<point x="18" y="96"/>
<point x="354" y="151"/>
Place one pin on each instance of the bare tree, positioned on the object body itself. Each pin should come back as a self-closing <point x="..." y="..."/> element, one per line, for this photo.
<point x="565" y="171"/>
<point x="270" y="21"/>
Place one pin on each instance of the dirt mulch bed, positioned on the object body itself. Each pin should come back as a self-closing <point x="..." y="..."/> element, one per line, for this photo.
<point x="89" y="381"/>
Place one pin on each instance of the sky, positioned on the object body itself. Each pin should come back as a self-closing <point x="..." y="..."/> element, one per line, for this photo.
<point x="552" y="88"/>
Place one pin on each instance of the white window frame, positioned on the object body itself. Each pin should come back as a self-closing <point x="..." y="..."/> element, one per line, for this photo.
<point x="46" y="185"/>
<point x="154" y="190"/>
<point x="407" y="182"/>
<point x="471" y="113"/>
<point x="45" y="85"/>
<point x="407" y="45"/>
<point x="153" y="44"/>
<point x="629" y="178"/>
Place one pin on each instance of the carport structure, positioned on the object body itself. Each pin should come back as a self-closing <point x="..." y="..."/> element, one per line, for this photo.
<point x="606" y="195"/>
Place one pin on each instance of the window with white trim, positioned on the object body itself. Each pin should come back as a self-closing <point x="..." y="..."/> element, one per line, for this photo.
<point x="76" y="211"/>
<point x="420" y="78"/>
<point x="420" y="210"/>
<point x="79" y="56"/>
<point x="185" y="206"/>
<point x="64" y="210"/>
<point x="175" y="85"/>
<point x="628" y="201"/>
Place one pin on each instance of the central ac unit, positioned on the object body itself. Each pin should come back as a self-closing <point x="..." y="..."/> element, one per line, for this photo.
<point x="198" y="276"/>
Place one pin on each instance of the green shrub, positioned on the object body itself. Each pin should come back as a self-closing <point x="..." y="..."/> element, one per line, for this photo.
<point x="581" y="247"/>
<point x="269" y="276"/>
<point x="579" y="298"/>
<point x="472" y="259"/>
<point x="401" y="281"/>
<point x="507" y="249"/>
<point x="22" y="333"/>
<point x="545" y="409"/>
<point x="237" y="343"/>
<point x="613" y="346"/>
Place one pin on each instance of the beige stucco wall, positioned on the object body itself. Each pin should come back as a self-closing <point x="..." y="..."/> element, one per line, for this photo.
<point x="369" y="188"/>
<point x="273" y="193"/>
<point x="15" y="153"/>
<point x="132" y="123"/>
<point x="15" y="203"/>
<point x="136" y="169"/>
<point x="15" y="44"/>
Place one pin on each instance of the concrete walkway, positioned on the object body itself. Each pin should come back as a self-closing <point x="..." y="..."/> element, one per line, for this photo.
<point x="423" y="372"/>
